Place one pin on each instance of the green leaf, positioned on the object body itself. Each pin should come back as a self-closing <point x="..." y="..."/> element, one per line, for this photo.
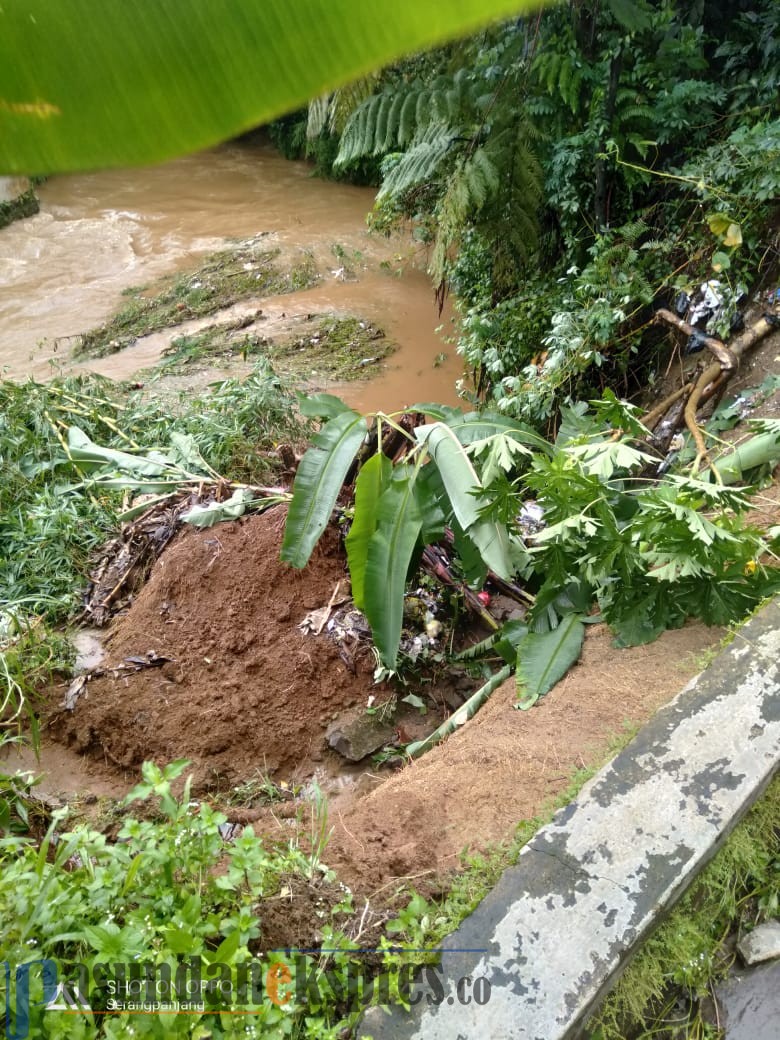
<point x="88" y="454"/>
<point x="499" y="450"/>
<point x="321" y="406"/>
<point x="226" y="950"/>
<point x="719" y="223"/>
<point x="372" y="481"/>
<point x="463" y="485"/>
<point x="602" y="458"/>
<point x="478" y="426"/>
<point x="543" y="659"/>
<point x="462" y="715"/>
<point x="85" y="85"/>
<point x="317" y="484"/>
<point x="185" y="453"/>
<point x="233" y="507"/>
<point x="632" y="15"/>
<point x="398" y="526"/>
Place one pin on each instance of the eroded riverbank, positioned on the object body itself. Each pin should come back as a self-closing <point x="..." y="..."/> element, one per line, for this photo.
<point x="64" y="271"/>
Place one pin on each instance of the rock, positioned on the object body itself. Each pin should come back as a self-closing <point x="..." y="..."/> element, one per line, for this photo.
<point x="762" y="944"/>
<point x="749" y="1004"/>
<point x="355" y="736"/>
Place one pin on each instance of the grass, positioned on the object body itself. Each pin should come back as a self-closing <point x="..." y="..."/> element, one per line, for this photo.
<point x="25" y="205"/>
<point x="333" y="347"/>
<point x="243" y="271"/>
<point x="338" y="348"/>
<point x="216" y="344"/>
<point x="680" y="963"/>
<point x="50" y="523"/>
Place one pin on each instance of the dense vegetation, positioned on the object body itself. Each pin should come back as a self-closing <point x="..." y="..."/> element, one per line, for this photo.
<point x="568" y="171"/>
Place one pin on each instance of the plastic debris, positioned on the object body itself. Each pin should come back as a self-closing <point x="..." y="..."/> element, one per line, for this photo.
<point x="531" y="518"/>
<point x="709" y="304"/>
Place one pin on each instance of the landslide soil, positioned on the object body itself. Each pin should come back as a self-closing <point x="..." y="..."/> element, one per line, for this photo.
<point x="245" y="690"/>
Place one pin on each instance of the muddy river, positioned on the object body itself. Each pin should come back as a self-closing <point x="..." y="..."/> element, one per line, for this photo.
<point x="63" y="271"/>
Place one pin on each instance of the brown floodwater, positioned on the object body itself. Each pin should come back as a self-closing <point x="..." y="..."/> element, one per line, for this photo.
<point x="63" y="271"/>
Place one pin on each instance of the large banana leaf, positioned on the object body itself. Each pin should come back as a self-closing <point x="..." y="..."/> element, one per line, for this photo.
<point x="544" y="658"/>
<point x="95" y="83"/>
<point x="318" y="482"/>
<point x="372" y="481"/>
<point x="462" y="484"/>
<point x="398" y="526"/>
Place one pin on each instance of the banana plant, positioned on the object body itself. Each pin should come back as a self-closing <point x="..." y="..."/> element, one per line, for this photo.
<point x="401" y="507"/>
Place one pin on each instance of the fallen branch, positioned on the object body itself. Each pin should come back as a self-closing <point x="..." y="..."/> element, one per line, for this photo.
<point x="725" y="355"/>
<point x="434" y="565"/>
<point x="665" y="417"/>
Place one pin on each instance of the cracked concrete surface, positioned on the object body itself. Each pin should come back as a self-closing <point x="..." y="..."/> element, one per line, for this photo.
<point x="560" y="925"/>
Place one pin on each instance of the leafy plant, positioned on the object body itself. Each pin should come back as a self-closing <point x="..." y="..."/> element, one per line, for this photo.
<point x="397" y="505"/>
<point x="168" y="889"/>
<point x="649" y="554"/>
<point x="50" y="522"/>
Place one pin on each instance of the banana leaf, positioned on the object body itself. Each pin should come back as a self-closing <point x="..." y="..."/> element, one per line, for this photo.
<point x="543" y="658"/>
<point x="372" y="481"/>
<point x="398" y="525"/>
<point x="462" y="715"/>
<point x="318" y="482"/>
<point x="86" y="84"/>
<point x="463" y="485"/>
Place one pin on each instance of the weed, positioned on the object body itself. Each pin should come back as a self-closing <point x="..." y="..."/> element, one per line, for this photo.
<point x="49" y="526"/>
<point x="338" y="348"/>
<point x="245" y="270"/>
<point x="169" y="888"/>
<point x="679" y="963"/>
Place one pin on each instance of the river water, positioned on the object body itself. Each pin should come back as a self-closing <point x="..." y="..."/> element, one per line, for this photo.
<point x="63" y="271"/>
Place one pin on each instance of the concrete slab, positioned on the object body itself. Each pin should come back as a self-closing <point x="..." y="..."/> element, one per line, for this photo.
<point x="554" y="934"/>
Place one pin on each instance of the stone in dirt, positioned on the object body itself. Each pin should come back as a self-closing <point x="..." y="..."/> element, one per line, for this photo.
<point x="762" y="944"/>
<point x="356" y="736"/>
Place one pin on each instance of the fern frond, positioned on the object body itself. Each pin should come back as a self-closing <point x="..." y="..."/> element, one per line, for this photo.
<point x="420" y="163"/>
<point x="317" y="119"/>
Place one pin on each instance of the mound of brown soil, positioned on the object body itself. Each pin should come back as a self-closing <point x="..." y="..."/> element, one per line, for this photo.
<point x="504" y="765"/>
<point x="243" y="689"/>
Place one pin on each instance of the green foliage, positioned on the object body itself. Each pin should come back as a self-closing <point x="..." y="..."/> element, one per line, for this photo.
<point x="49" y="525"/>
<point x="545" y="657"/>
<point x="24" y="205"/>
<point x="458" y="155"/>
<point x="318" y="483"/>
<point x="31" y="656"/>
<point x="85" y="87"/>
<point x="648" y="554"/>
<point x="169" y="888"/>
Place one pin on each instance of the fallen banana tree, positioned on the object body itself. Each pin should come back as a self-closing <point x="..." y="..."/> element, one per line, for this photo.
<point x="169" y="485"/>
<point x="642" y="556"/>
